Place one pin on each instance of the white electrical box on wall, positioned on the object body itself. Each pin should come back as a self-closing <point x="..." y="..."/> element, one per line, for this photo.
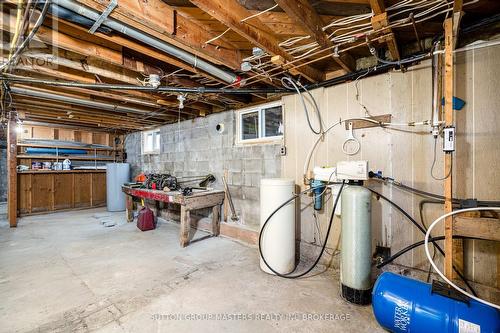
<point x="449" y="139"/>
<point x="352" y="170"/>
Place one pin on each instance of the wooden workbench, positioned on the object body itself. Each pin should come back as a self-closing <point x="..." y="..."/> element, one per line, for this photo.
<point x="197" y="200"/>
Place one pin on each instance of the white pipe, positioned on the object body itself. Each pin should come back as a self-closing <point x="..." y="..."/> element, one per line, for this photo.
<point x="429" y="257"/>
<point x="149" y="40"/>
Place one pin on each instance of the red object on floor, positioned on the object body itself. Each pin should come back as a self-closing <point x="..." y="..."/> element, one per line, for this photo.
<point x="146" y="219"/>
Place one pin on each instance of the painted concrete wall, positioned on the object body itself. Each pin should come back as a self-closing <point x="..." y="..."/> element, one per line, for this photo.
<point x="408" y="156"/>
<point x="194" y="147"/>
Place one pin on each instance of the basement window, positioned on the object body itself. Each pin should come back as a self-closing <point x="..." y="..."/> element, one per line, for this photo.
<point x="151" y="142"/>
<point x="262" y="123"/>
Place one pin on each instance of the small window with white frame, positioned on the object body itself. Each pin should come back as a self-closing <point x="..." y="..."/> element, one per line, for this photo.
<point x="151" y="142"/>
<point x="262" y="123"/>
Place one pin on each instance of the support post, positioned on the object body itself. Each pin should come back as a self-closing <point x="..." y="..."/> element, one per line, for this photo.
<point x="185" y="226"/>
<point x="216" y="220"/>
<point x="12" y="171"/>
<point x="452" y="248"/>
<point x="129" y="207"/>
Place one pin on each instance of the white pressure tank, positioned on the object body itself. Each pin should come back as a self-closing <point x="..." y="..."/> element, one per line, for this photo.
<point x="356" y="251"/>
<point x="116" y="175"/>
<point x="278" y="239"/>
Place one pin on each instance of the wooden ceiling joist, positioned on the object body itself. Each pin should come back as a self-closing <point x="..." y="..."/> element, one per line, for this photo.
<point x="303" y="14"/>
<point x="379" y="23"/>
<point x="161" y="21"/>
<point x="231" y="14"/>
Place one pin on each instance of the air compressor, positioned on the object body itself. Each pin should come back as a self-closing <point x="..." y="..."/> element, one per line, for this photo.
<point x="402" y="304"/>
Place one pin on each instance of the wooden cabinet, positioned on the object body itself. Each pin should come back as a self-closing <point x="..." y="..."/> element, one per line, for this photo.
<point x="47" y="191"/>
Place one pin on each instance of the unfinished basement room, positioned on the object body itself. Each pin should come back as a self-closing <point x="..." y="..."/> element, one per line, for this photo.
<point x="250" y="166"/>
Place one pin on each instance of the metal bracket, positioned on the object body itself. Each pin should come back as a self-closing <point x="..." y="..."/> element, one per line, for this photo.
<point x="112" y="5"/>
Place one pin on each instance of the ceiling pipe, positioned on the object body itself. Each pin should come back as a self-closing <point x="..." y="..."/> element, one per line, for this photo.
<point x="147" y="39"/>
<point x="77" y="101"/>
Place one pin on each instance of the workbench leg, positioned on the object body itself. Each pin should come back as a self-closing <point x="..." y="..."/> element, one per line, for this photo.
<point x="185" y="226"/>
<point x="129" y="210"/>
<point x="216" y="220"/>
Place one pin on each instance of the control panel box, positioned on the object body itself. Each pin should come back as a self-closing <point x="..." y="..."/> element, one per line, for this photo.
<point x="352" y="170"/>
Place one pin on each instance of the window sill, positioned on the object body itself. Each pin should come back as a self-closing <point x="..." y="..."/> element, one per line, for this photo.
<point x="261" y="141"/>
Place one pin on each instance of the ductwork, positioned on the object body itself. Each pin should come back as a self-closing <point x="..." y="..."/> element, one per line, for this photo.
<point x="147" y="39"/>
<point x="77" y="101"/>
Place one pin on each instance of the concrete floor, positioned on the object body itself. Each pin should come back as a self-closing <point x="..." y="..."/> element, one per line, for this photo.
<point x="66" y="272"/>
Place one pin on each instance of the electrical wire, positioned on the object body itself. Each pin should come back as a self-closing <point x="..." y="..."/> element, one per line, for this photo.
<point x="423" y="231"/>
<point x="242" y="20"/>
<point x="434" y="163"/>
<point x="427" y="252"/>
<point x="288" y="276"/>
<point x="288" y="83"/>
<point x="28" y="39"/>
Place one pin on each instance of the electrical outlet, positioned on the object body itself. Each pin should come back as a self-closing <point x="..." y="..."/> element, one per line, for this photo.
<point x="282" y="150"/>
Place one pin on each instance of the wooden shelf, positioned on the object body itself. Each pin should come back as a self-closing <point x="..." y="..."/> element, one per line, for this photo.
<point x="62" y="171"/>
<point x="62" y="147"/>
<point x="62" y="157"/>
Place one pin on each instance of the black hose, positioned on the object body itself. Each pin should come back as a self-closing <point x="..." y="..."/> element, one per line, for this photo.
<point x="288" y="276"/>
<point x="419" y="227"/>
<point x="392" y="181"/>
<point x="414" y="245"/>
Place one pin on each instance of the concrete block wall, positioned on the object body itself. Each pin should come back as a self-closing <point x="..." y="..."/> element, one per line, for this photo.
<point x="194" y="147"/>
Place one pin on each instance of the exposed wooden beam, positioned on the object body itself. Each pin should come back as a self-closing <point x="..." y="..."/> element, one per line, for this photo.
<point x="160" y="20"/>
<point x="451" y="247"/>
<point x="378" y="6"/>
<point x="231" y="13"/>
<point x="457" y="17"/>
<point x="302" y="12"/>
<point x="116" y="39"/>
<point x="33" y="105"/>
<point x="379" y="23"/>
<point x="477" y="227"/>
<point x="12" y="171"/>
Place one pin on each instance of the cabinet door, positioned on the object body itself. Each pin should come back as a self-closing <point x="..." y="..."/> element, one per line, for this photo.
<point x="82" y="189"/>
<point x="63" y="191"/>
<point x="41" y="193"/>
<point x="24" y="193"/>
<point x="98" y="189"/>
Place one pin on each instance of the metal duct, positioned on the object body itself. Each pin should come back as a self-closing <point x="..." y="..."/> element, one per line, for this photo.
<point x="77" y="101"/>
<point x="149" y="40"/>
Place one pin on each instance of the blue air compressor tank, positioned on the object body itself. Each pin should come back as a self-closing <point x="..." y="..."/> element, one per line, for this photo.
<point x="356" y="246"/>
<point x="402" y="304"/>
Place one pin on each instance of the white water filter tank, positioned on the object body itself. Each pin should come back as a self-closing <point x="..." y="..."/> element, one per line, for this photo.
<point x="356" y="246"/>
<point x="278" y="239"/>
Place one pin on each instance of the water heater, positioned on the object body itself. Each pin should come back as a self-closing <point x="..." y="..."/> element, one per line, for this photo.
<point x="278" y="238"/>
<point x="355" y="269"/>
<point x="402" y="304"/>
<point x="116" y="175"/>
